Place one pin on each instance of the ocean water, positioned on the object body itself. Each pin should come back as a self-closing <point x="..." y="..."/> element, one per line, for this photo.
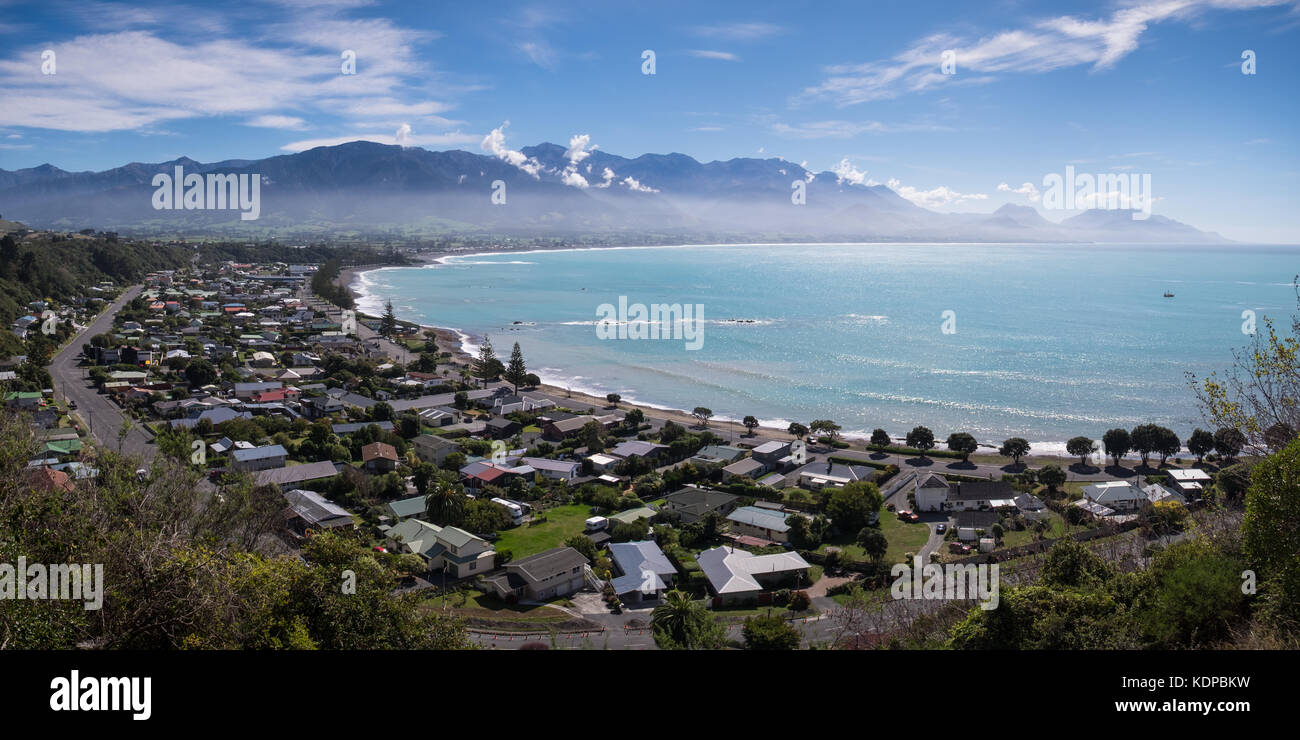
<point x="1044" y="341"/>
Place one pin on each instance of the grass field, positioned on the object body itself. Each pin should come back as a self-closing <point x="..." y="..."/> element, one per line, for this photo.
<point x="903" y="538"/>
<point x="562" y="522"/>
<point x="485" y="606"/>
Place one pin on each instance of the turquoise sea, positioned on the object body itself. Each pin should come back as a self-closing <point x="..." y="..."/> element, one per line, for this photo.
<point x="1050" y="341"/>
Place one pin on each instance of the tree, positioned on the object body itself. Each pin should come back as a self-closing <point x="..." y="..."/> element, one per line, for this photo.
<point x="1200" y="444"/>
<point x="200" y="372"/>
<point x="873" y="543"/>
<point x="770" y="632"/>
<point x="443" y="504"/>
<point x="797" y="430"/>
<point x="1118" y="443"/>
<point x="516" y="373"/>
<point x="487" y="366"/>
<point x="381" y="411"/>
<point x="751" y="423"/>
<point x="850" y="507"/>
<point x="703" y="414"/>
<point x="1278" y="436"/>
<point x="613" y="399"/>
<point x="1051" y="476"/>
<point x="1070" y="564"/>
<point x="964" y="443"/>
<point x="1229" y="442"/>
<point x="880" y="438"/>
<point x="825" y="426"/>
<point x="1014" y="448"/>
<point x="584" y="545"/>
<point x="805" y="533"/>
<point x="681" y="623"/>
<point x="1260" y="389"/>
<point x="921" y="438"/>
<point x="1081" y="447"/>
<point x="388" y="322"/>
<point x="1271" y="534"/>
<point x="1146" y="439"/>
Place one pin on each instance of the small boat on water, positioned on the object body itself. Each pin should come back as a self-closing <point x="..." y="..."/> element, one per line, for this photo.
<point x="1168" y="294"/>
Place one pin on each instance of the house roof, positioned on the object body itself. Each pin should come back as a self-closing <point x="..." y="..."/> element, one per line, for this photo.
<point x="981" y="491"/>
<point x="555" y="561"/>
<point x="407" y="507"/>
<point x="699" y="499"/>
<point x="315" y="509"/>
<point x="296" y="473"/>
<point x="748" y="466"/>
<point x="977" y="519"/>
<point x="559" y="466"/>
<point x="730" y="570"/>
<point x="636" y="447"/>
<point x="634" y="557"/>
<point x="756" y="517"/>
<point x="259" y="453"/>
<point x="932" y="480"/>
<point x="1111" y="492"/>
<point x="378" y="451"/>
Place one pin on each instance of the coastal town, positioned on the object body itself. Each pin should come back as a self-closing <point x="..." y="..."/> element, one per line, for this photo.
<point x="541" y="516"/>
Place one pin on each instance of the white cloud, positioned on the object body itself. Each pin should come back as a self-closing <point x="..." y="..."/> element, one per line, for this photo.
<point x="1055" y="43"/>
<point x="573" y="179"/>
<point x="539" y="53"/>
<point x="935" y="198"/>
<point x="577" y="150"/>
<point x="495" y="144"/>
<point x="403" y="135"/>
<point x="607" y="178"/>
<point x="635" y="186"/>
<point x="1027" y="190"/>
<point x="739" y="31"/>
<point x="725" y="56"/>
<point x="846" y="172"/>
<point x="846" y="129"/>
<point x="289" y="123"/>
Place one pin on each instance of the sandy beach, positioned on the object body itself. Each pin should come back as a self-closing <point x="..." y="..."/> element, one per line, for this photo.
<point x="450" y="341"/>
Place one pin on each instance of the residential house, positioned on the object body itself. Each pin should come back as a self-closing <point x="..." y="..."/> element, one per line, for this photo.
<point x="379" y="457"/>
<point x="433" y="449"/>
<point x="308" y="509"/>
<point x="547" y="575"/>
<point x="759" y="522"/>
<point x="450" y="550"/>
<point x="931" y="492"/>
<point x="297" y="474"/>
<point x="602" y="463"/>
<point x="636" y="448"/>
<point x="716" y="456"/>
<point x="745" y="468"/>
<point x="816" y="476"/>
<point x="553" y="469"/>
<point x="1115" y="495"/>
<point x="259" y="458"/>
<point x="501" y="427"/>
<point x="692" y="504"/>
<point x="740" y="576"/>
<point x="644" y="571"/>
<point x="1190" y="483"/>
<point x="980" y="495"/>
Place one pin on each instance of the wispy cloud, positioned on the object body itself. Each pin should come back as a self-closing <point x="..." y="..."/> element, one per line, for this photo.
<point x="846" y="129"/>
<point x="738" y="31"/>
<point x="1044" y="46"/>
<point x="725" y="56"/>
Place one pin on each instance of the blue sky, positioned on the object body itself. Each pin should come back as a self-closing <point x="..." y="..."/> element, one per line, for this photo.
<point x="1142" y="86"/>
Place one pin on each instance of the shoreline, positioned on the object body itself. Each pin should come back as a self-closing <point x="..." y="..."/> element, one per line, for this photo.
<point x="458" y="343"/>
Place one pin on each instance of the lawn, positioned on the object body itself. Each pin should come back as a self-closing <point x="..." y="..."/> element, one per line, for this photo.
<point x="1056" y="528"/>
<point x="488" y="606"/>
<point x="562" y="522"/>
<point x="903" y="537"/>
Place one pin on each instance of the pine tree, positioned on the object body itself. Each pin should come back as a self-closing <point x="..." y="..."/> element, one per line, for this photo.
<point x="516" y="372"/>
<point x="487" y="366"/>
<point x="388" y="324"/>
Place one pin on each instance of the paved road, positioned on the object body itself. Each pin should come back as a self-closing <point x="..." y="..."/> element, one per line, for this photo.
<point x="103" y="417"/>
<point x="948" y="466"/>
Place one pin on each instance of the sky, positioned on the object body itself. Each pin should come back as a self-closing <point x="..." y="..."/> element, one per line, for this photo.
<point x="1144" y="87"/>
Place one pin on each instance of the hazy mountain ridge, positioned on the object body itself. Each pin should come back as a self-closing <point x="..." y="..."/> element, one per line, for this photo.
<point x="362" y="184"/>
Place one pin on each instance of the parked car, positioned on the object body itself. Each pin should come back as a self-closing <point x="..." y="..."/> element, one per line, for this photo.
<point x="941" y="528"/>
<point x="905" y="514"/>
<point x="959" y="548"/>
<point x="72" y="404"/>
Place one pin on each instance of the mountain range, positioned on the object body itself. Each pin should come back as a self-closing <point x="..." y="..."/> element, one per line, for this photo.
<point x="545" y="189"/>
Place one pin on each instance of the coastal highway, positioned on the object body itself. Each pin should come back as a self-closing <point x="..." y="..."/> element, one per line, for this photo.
<point x="103" y="417"/>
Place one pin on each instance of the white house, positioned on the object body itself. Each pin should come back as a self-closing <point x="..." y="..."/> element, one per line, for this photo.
<point x="1191" y="483"/>
<point x="931" y="492"/>
<point x="1117" y="495"/>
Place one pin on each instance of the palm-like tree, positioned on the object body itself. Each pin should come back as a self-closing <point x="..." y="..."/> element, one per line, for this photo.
<point x="673" y="616"/>
<point x="443" y="504"/>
